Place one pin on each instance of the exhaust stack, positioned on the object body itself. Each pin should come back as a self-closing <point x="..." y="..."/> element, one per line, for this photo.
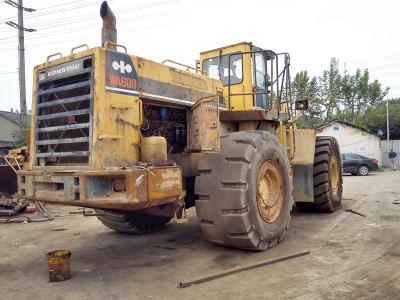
<point x="109" y="30"/>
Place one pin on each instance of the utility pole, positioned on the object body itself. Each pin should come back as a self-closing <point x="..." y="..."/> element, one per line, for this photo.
<point x="387" y="119"/>
<point x="21" y="54"/>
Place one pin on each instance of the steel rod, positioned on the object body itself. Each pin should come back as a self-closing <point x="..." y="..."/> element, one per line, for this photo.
<point x="228" y="272"/>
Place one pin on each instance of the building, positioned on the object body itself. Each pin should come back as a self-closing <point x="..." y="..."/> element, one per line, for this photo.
<point x="9" y="123"/>
<point x="354" y="139"/>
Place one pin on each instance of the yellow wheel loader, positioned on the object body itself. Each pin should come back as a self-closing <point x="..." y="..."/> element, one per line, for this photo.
<point x="138" y="141"/>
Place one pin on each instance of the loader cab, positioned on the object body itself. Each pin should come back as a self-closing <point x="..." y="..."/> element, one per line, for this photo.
<point x="252" y="77"/>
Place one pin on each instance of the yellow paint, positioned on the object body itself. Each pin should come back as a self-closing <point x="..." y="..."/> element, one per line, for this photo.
<point x="117" y="117"/>
<point x="305" y="146"/>
<point x="239" y="102"/>
<point x="160" y="72"/>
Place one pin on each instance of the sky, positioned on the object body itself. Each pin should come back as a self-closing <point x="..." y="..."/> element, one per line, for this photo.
<point x="359" y="33"/>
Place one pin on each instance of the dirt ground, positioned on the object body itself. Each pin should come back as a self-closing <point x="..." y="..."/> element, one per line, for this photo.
<point x="352" y="257"/>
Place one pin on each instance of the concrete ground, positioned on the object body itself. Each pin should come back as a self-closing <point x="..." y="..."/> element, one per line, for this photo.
<point x="352" y="257"/>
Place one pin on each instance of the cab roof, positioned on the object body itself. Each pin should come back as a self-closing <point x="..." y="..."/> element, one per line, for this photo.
<point x="225" y="47"/>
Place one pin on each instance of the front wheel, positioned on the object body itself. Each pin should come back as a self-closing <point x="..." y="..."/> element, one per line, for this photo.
<point x="245" y="191"/>
<point x="363" y="171"/>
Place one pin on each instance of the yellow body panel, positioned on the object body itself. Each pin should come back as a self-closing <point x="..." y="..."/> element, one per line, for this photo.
<point x="305" y="146"/>
<point x="117" y="117"/>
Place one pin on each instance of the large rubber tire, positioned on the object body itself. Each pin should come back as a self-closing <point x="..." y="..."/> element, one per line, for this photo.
<point x="131" y="222"/>
<point x="227" y="205"/>
<point x="326" y="199"/>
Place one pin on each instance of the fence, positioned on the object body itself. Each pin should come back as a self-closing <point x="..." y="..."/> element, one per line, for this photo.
<point x="385" y="148"/>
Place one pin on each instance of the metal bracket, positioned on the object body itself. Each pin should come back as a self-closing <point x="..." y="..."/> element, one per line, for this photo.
<point x="91" y="213"/>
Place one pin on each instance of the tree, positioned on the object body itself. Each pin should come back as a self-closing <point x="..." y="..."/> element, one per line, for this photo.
<point x="333" y="96"/>
<point x="19" y="136"/>
<point x="374" y="119"/>
<point x="330" y="93"/>
<point x="306" y="88"/>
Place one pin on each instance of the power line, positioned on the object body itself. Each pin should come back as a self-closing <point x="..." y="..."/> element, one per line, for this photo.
<point x="57" y="32"/>
<point x="89" y="36"/>
<point x="65" y="9"/>
<point x="62" y="4"/>
<point x="83" y="17"/>
<point x="118" y="10"/>
<point x="10" y="37"/>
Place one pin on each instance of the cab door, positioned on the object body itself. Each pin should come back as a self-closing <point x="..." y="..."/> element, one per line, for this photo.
<point x="260" y="78"/>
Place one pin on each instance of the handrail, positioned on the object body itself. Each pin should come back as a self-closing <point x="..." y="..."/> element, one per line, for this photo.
<point x="79" y="46"/>
<point x="54" y="54"/>
<point x="183" y="65"/>
<point x="115" y="45"/>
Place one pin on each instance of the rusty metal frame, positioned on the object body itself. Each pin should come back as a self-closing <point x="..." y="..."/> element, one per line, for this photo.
<point x="144" y="187"/>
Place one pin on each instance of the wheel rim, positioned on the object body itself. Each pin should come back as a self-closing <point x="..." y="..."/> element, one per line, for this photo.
<point x="269" y="191"/>
<point x="334" y="175"/>
<point x="363" y="170"/>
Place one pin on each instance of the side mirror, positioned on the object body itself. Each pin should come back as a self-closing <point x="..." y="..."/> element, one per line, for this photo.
<point x="301" y="105"/>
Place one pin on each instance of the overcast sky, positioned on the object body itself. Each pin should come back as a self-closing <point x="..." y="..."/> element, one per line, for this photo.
<point x="359" y="33"/>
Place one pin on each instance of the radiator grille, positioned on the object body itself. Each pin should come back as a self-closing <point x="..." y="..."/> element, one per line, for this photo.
<point x="63" y="127"/>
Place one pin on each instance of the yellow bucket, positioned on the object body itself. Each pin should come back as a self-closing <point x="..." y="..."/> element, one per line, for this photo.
<point x="59" y="265"/>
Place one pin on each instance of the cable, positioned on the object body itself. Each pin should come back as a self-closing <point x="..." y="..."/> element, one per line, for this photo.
<point x="51" y="6"/>
<point x="63" y="10"/>
<point x="148" y="16"/>
<point x="59" y="10"/>
<point x="117" y="10"/>
<point x="89" y="36"/>
<point x="78" y="19"/>
<point x="58" y="32"/>
<point x="10" y="37"/>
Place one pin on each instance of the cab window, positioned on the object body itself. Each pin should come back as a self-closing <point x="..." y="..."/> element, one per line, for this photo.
<point x="211" y="67"/>
<point x="260" y="70"/>
<point x="218" y="68"/>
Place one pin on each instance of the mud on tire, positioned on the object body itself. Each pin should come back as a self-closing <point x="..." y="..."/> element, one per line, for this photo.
<point x="327" y="189"/>
<point x="227" y="192"/>
<point x="131" y="222"/>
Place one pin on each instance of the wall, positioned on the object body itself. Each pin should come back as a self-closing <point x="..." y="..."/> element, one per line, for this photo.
<point x="386" y="146"/>
<point x="354" y="140"/>
<point x="6" y="130"/>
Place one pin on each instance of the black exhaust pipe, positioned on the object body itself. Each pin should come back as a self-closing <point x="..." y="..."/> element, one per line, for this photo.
<point x="109" y="29"/>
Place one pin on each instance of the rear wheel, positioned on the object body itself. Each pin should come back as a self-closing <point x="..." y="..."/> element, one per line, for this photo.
<point x="245" y="192"/>
<point x="363" y="170"/>
<point x="327" y="176"/>
<point x="131" y="222"/>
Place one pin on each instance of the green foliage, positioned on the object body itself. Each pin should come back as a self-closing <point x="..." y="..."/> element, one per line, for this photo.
<point x="334" y="96"/>
<point x="374" y="119"/>
<point x="19" y="136"/>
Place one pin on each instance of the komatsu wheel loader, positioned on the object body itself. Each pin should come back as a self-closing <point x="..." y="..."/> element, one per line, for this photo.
<point x="139" y="140"/>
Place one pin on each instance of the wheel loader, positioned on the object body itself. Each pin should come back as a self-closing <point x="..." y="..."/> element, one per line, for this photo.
<point x="139" y="141"/>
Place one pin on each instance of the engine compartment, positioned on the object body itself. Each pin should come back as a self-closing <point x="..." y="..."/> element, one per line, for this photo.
<point x="169" y="122"/>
